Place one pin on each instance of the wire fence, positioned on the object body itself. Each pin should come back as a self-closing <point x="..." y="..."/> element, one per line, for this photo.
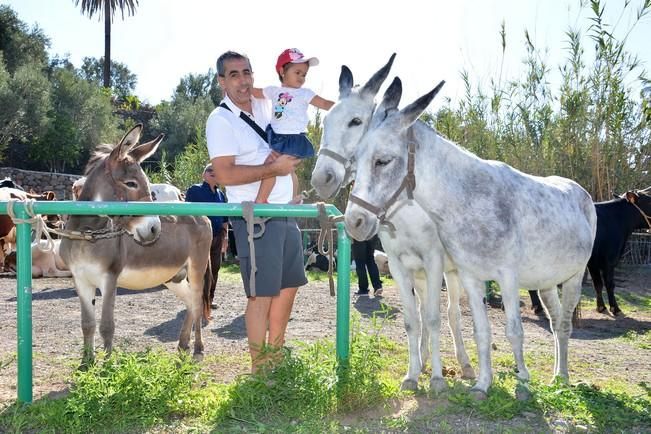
<point x="638" y="249"/>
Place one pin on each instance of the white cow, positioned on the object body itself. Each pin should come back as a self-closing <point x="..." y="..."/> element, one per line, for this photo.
<point x="77" y="186"/>
<point x="382" y="262"/>
<point x="165" y="193"/>
<point x="494" y="223"/>
<point x="45" y="262"/>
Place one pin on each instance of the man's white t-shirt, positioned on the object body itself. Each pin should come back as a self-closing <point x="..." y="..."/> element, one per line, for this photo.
<point x="228" y="135"/>
<point x="289" y="108"/>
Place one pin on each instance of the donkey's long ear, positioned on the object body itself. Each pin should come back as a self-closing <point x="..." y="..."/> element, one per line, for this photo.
<point x="126" y="143"/>
<point x="142" y="152"/>
<point x="345" y="82"/>
<point x="133" y="136"/>
<point x="370" y="89"/>
<point x="411" y="113"/>
<point x="389" y="103"/>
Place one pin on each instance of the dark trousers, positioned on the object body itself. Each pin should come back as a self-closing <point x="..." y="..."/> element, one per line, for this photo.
<point x="363" y="255"/>
<point x="215" y="262"/>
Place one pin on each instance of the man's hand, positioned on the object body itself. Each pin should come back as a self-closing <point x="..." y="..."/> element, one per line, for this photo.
<point x="284" y="164"/>
<point x="272" y="157"/>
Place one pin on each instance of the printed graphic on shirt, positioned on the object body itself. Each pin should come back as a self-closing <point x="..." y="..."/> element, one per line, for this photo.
<point x="279" y="107"/>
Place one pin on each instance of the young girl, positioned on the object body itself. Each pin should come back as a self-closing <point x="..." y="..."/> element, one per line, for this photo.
<point x="286" y="133"/>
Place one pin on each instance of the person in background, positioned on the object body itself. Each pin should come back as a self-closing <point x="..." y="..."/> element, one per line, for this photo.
<point x="209" y="191"/>
<point x="362" y="252"/>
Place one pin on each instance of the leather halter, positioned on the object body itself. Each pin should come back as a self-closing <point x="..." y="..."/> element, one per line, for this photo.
<point x="347" y="163"/>
<point x="113" y="229"/>
<point x="408" y="183"/>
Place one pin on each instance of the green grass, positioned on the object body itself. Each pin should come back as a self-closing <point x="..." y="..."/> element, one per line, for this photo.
<point x="130" y="392"/>
<point x="640" y="339"/>
<point x="628" y="301"/>
<point x="158" y="391"/>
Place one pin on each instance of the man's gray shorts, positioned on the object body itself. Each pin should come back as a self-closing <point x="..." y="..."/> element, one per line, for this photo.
<point x="278" y="256"/>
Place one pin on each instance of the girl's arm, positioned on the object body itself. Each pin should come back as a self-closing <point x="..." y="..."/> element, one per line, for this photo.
<point x="257" y="93"/>
<point x="322" y="103"/>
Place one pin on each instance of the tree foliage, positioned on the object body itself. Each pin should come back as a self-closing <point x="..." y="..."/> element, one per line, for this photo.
<point x="81" y="117"/>
<point x="185" y="115"/>
<point x="19" y="44"/>
<point x="107" y="8"/>
<point x="123" y="81"/>
<point x="593" y="126"/>
<point x="593" y="129"/>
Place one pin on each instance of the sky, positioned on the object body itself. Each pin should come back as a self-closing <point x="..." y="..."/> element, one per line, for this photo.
<point x="434" y="40"/>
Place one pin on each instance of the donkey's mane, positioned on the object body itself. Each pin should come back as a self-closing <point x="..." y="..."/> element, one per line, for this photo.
<point x="101" y="152"/>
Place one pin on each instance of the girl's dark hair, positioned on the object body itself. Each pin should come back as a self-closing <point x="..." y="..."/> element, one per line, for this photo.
<point x="286" y="66"/>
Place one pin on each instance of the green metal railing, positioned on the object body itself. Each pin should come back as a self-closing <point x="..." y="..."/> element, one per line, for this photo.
<point x="24" y="259"/>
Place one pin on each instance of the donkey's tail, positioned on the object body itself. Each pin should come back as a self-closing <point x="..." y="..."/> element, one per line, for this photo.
<point x="207" y="285"/>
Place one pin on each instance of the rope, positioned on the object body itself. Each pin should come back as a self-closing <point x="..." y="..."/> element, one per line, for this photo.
<point x="304" y="195"/>
<point x="647" y="218"/>
<point x="327" y="224"/>
<point x="34" y="219"/>
<point x="247" y="214"/>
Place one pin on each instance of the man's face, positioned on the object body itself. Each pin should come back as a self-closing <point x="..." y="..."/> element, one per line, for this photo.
<point x="209" y="176"/>
<point x="237" y="81"/>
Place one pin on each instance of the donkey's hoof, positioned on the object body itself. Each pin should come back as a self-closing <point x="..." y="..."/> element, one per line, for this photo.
<point x="616" y="311"/>
<point x="86" y="365"/>
<point x="409" y="384"/>
<point x="522" y="392"/>
<point x="197" y="357"/>
<point x="437" y="386"/>
<point x="478" y="394"/>
<point x="601" y="309"/>
<point x="467" y="373"/>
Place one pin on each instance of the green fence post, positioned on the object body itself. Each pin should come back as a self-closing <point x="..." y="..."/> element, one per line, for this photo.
<point x="24" y="303"/>
<point x="24" y="261"/>
<point x="343" y="296"/>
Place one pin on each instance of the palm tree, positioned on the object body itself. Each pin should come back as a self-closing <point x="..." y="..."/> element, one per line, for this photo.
<point x="108" y="8"/>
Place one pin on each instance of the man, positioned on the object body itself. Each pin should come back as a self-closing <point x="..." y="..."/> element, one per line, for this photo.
<point x="238" y="152"/>
<point x="363" y="254"/>
<point x="209" y="191"/>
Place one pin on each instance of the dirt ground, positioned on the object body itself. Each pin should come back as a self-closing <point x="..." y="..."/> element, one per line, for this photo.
<point x="153" y="318"/>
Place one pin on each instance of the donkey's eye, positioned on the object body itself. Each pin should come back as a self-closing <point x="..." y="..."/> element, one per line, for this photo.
<point x="131" y="184"/>
<point x="382" y="161"/>
<point x="354" y="122"/>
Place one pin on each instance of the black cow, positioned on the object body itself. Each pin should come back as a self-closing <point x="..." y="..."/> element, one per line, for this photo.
<point x="616" y="220"/>
<point x="9" y="183"/>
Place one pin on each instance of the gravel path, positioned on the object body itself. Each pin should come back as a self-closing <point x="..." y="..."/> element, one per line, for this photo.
<point x="153" y="318"/>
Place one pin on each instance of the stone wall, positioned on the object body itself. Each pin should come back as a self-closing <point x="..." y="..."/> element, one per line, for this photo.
<point x="60" y="183"/>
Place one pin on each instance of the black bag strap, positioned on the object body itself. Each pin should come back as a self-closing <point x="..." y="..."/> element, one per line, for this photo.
<point x="249" y="122"/>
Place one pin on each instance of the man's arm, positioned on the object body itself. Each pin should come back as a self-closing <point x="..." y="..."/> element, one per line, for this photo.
<point x="229" y="173"/>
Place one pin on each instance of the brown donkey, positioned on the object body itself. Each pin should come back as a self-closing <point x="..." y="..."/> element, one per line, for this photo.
<point x="133" y="252"/>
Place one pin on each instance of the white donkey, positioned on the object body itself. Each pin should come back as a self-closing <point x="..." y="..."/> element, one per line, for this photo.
<point x="495" y="223"/>
<point x="344" y="127"/>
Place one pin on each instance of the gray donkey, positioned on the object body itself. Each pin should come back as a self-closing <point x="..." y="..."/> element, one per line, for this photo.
<point x="494" y="222"/>
<point x="415" y="266"/>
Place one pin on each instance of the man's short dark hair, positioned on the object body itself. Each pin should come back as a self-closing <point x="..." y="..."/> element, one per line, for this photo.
<point x="230" y="55"/>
